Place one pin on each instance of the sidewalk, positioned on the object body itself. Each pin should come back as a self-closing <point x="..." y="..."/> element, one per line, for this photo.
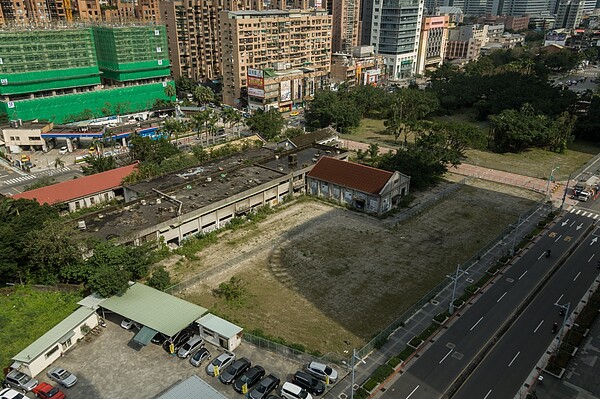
<point x="423" y="317"/>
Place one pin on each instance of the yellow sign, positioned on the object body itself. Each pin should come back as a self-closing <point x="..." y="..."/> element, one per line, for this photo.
<point x="216" y="371"/>
<point x="245" y="388"/>
<point x="327" y="379"/>
<point x="171" y="348"/>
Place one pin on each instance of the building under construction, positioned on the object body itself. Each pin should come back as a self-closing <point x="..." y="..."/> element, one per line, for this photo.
<point x="78" y="73"/>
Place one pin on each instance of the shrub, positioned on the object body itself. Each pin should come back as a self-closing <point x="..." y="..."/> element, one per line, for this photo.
<point x="440" y="317"/>
<point x="160" y="279"/>
<point x="573" y="337"/>
<point x="233" y="291"/>
<point x="361" y="393"/>
<point x="428" y="331"/>
<point x="551" y="215"/>
<point x="458" y="302"/>
<point x="415" y="342"/>
<point x="382" y="372"/>
<point x="542" y="223"/>
<point x="483" y="280"/>
<point x="492" y="270"/>
<point x="405" y="354"/>
<point x="394" y="361"/>
<point x="471" y="288"/>
<point x="370" y="384"/>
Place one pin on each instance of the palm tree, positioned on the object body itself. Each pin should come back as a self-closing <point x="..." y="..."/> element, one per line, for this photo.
<point x="236" y="119"/>
<point x="199" y="121"/>
<point x="170" y="91"/>
<point x="203" y="95"/>
<point x="58" y="163"/>
<point x="211" y="124"/>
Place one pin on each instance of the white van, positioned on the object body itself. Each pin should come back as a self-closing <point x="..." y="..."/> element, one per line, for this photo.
<point x="293" y="391"/>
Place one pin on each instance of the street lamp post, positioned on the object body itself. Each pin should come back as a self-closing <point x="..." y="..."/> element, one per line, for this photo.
<point x="455" y="278"/>
<point x="565" y="308"/>
<point x="353" y="367"/>
<point x="562" y="204"/>
<point x="550" y="179"/>
<point x="512" y="251"/>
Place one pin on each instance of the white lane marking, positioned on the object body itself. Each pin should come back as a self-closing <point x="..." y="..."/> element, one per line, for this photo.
<point x="571" y="225"/>
<point x="584" y="214"/>
<point x="576" y="276"/>
<point x="559" y="298"/>
<point x="572" y="210"/>
<point x="524" y="273"/>
<point x="499" y="299"/>
<point x="475" y="325"/>
<point x="558" y="238"/>
<point x="538" y="326"/>
<point x="413" y="391"/>
<point x="591" y="257"/>
<point x="488" y="394"/>
<point x="595" y="216"/>
<point x="447" y="354"/>
<point x="514" y="358"/>
<point x="542" y="255"/>
<point x="578" y="212"/>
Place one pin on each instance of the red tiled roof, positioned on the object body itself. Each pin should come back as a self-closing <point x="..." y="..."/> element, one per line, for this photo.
<point x="77" y="188"/>
<point x="352" y="175"/>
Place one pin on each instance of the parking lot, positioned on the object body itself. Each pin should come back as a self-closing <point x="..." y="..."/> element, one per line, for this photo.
<point x="108" y="368"/>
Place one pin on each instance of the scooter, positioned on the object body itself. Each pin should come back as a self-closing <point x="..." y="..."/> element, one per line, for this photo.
<point x="554" y="327"/>
<point x="548" y="252"/>
<point x="561" y="312"/>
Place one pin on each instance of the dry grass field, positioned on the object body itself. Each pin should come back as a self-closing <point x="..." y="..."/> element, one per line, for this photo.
<point x="317" y="274"/>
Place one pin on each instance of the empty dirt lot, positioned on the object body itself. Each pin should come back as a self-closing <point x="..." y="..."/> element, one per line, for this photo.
<point x="319" y="275"/>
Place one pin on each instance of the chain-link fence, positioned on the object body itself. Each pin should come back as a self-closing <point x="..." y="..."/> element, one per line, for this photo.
<point x="399" y="322"/>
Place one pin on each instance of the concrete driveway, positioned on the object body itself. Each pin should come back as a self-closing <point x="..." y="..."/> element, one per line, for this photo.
<point x="108" y="368"/>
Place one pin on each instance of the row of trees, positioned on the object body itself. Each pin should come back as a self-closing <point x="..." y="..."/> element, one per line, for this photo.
<point x="37" y="247"/>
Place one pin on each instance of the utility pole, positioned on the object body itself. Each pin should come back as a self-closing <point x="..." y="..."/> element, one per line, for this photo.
<point x="562" y="204"/>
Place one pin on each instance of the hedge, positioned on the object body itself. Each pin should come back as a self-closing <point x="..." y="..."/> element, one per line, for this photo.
<point x="405" y="354"/>
<point x="394" y="361"/>
<point x="361" y="393"/>
<point x="382" y="372"/>
<point x="370" y="384"/>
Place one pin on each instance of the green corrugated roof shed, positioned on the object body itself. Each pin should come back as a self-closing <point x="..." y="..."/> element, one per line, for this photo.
<point x="219" y="325"/>
<point x="155" y="309"/>
<point x="191" y="388"/>
<point x="54" y="335"/>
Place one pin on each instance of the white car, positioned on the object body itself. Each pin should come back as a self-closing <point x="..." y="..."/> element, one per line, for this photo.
<point x="222" y="362"/>
<point x="322" y="372"/>
<point x="63" y="377"/>
<point x="63" y="150"/>
<point x="128" y="324"/>
<point x="11" y="394"/>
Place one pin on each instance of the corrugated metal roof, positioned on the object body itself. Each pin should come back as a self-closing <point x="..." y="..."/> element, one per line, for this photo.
<point x="78" y="188"/>
<point x="192" y="388"/>
<point x="352" y="175"/>
<point x="92" y="301"/>
<point x="54" y="335"/>
<point x="219" y="325"/>
<point x="153" y="308"/>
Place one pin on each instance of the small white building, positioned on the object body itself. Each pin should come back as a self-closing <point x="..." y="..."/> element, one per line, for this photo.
<point x="220" y="332"/>
<point x="50" y="346"/>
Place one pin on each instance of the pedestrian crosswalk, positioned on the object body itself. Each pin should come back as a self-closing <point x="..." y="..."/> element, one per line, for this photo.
<point x="26" y="178"/>
<point x="588" y="214"/>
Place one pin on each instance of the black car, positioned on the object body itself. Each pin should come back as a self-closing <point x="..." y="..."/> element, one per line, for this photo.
<point x="250" y="378"/>
<point x="159" y="338"/>
<point x="179" y="340"/>
<point x="308" y="382"/>
<point x="264" y="387"/>
<point x="236" y="369"/>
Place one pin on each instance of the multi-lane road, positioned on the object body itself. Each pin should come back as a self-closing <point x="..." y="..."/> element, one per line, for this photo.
<point x="435" y="371"/>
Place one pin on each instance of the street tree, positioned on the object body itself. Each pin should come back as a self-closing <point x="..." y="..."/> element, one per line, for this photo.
<point x="98" y="164"/>
<point x="203" y="95"/>
<point x="268" y="124"/>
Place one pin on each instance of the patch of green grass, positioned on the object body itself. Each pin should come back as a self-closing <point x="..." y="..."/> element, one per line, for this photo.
<point x="26" y="315"/>
<point x="536" y="162"/>
<point x="373" y="131"/>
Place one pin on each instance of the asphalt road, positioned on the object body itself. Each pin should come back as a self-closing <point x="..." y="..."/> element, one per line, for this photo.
<point x="436" y="369"/>
<point x="510" y="362"/>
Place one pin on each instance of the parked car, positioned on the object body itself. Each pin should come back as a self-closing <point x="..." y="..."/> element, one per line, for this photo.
<point x="294" y="113"/>
<point x="159" y="338"/>
<point x="293" y="391"/>
<point x="236" y="369"/>
<point x="18" y="380"/>
<point x="63" y="150"/>
<point x="46" y="391"/>
<point x="128" y="324"/>
<point x="179" y="340"/>
<point x="322" y="372"/>
<point x="62" y="376"/>
<point x="192" y="344"/>
<point x="199" y="357"/>
<point x="250" y="378"/>
<point x="222" y="362"/>
<point x="264" y="387"/>
<point x="11" y="394"/>
<point x="308" y="382"/>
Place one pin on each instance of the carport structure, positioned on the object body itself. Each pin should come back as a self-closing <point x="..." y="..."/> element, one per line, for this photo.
<point x="155" y="310"/>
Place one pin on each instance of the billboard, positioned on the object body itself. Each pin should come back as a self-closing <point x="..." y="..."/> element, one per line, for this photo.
<point x="256" y="82"/>
<point x="255" y="73"/>
<point x="254" y="92"/>
<point x="285" y="91"/>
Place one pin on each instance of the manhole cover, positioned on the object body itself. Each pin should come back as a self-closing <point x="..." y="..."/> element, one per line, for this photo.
<point x="434" y="302"/>
<point x="470" y="281"/>
<point x="510" y="280"/>
<point x="343" y="396"/>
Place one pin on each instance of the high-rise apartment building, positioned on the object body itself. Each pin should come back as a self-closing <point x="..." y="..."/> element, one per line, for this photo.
<point x="432" y="46"/>
<point x="277" y="39"/>
<point x="569" y="14"/>
<point x="394" y="32"/>
<point x="346" y="25"/>
<point x="518" y="7"/>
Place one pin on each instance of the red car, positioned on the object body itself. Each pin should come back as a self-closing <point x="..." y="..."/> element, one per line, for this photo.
<point x="46" y="391"/>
